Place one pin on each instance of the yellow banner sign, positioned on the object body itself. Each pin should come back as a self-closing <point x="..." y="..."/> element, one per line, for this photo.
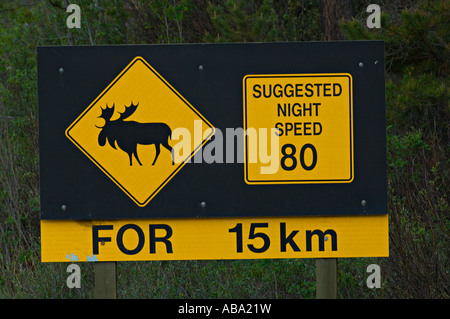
<point x="220" y="238"/>
<point x="309" y="121"/>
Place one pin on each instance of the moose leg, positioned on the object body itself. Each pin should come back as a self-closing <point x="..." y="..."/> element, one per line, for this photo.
<point x="157" y="153"/>
<point x="130" y="155"/>
<point x="166" y="145"/>
<point x="137" y="158"/>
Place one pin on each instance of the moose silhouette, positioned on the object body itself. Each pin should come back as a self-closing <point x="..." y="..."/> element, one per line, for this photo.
<point x="128" y="134"/>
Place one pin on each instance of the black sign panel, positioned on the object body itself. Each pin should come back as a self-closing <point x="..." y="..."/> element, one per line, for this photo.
<point x="214" y="82"/>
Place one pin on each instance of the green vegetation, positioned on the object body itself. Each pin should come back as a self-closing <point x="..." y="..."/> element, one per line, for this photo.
<point x="416" y="35"/>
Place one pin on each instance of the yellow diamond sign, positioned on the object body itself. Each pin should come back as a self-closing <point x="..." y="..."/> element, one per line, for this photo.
<point x="130" y="131"/>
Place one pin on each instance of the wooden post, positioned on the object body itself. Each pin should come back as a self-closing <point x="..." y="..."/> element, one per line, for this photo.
<point x="105" y="280"/>
<point x="326" y="278"/>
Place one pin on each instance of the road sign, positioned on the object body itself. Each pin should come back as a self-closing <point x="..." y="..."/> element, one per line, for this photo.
<point x="212" y="151"/>
<point x="311" y="115"/>
<point x="217" y="238"/>
<point x="326" y="117"/>
<point x="137" y="109"/>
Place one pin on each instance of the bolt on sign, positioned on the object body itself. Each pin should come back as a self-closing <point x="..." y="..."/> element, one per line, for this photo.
<point x="212" y="151"/>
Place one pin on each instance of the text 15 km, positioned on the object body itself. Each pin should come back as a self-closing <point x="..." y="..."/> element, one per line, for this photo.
<point x="260" y="241"/>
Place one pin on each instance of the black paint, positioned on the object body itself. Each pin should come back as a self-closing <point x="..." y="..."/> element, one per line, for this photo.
<point x="70" y="178"/>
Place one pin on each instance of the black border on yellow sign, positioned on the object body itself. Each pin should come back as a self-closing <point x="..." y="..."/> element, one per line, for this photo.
<point x="144" y="203"/>
<point x="350" y="179"/>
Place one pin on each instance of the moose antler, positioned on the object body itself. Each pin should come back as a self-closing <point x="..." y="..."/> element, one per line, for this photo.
<point x="129" y="110"/>
<point x="107" y="113"/>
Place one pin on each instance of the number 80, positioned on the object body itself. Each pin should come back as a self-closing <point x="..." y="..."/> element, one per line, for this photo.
<point x="291" y="156"/>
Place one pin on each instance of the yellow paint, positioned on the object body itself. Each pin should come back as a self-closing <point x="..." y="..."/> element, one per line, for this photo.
<point x="302" y="109"/>
<point x="195" y="239"/>
<point x="157" y="102"/>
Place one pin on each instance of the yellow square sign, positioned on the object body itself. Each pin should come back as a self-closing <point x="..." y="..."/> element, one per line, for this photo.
<point x="129" y="130"/>
<point x="298" y="128"/>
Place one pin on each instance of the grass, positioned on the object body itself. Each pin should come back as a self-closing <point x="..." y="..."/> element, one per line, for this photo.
<point x="227" y="279"/>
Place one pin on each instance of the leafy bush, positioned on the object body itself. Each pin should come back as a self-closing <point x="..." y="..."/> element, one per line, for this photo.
<point x="417" y="115"/>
